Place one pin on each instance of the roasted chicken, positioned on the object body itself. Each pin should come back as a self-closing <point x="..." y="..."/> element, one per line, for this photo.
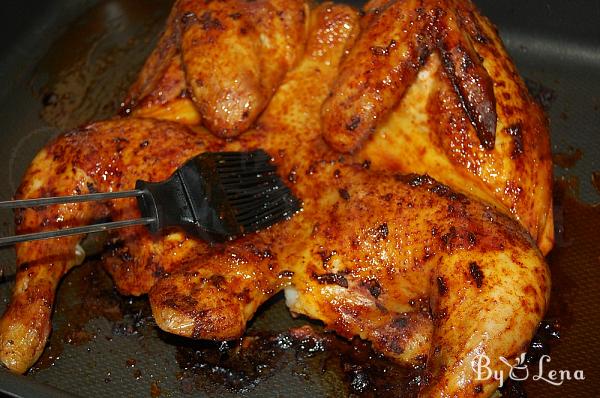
<point x="431" y="276"/>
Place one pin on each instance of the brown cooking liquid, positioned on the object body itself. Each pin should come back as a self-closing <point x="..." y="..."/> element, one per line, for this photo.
<point x="87" y="72"/>
<point x="575" y="267"/>
<point x="544" y="95"/>
<point x="567" y="159"/>
<point x="90" y="294"/>
<point x="238" y="366"/>
<point x="596" y="180"/>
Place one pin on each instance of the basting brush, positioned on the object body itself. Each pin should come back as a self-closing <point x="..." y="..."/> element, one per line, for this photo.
<point x="213" y="196"/>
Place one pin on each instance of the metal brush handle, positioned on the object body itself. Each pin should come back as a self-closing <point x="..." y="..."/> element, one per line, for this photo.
<point x="92" y="197"/>
<point x="213" y="196"/>
<point x="191" y="198"/>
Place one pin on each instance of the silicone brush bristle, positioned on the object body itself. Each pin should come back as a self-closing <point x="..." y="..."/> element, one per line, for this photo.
<point x="257" y="195"/>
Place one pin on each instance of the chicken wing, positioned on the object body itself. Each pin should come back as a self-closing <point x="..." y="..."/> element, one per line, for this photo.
<point x="383" y="63"/>
<point x="429" y="88"/>
<point x="224" y="57"/>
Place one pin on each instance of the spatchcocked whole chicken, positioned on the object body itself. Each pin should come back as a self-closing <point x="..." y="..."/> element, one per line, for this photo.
<point x="433" y="269"/>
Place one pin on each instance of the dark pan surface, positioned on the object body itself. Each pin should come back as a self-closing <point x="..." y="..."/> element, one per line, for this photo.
<point x="64" y="63"/>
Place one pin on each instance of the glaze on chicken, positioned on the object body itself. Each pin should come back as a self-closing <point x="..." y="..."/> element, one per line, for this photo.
<point x="430" y="275"/>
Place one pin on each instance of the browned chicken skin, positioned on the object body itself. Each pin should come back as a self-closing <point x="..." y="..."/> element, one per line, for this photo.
<point x="426" y="274"/>
<point x="397" y="38"/>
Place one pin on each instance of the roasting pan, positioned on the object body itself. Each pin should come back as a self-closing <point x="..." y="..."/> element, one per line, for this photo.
<point x="64" y="63"/>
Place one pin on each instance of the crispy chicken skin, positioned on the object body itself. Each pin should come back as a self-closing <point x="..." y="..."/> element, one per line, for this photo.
<point x="428" y="275"/>
<point x="397" y="38"/>
<point x="382" y="64"/>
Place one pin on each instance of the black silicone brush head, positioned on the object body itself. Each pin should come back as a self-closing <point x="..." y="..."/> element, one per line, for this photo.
<point x="257" y="196"/>
<point x="221" y="195"/>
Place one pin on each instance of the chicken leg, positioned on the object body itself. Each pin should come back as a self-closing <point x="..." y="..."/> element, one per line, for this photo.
<point x="104" y="157"/>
